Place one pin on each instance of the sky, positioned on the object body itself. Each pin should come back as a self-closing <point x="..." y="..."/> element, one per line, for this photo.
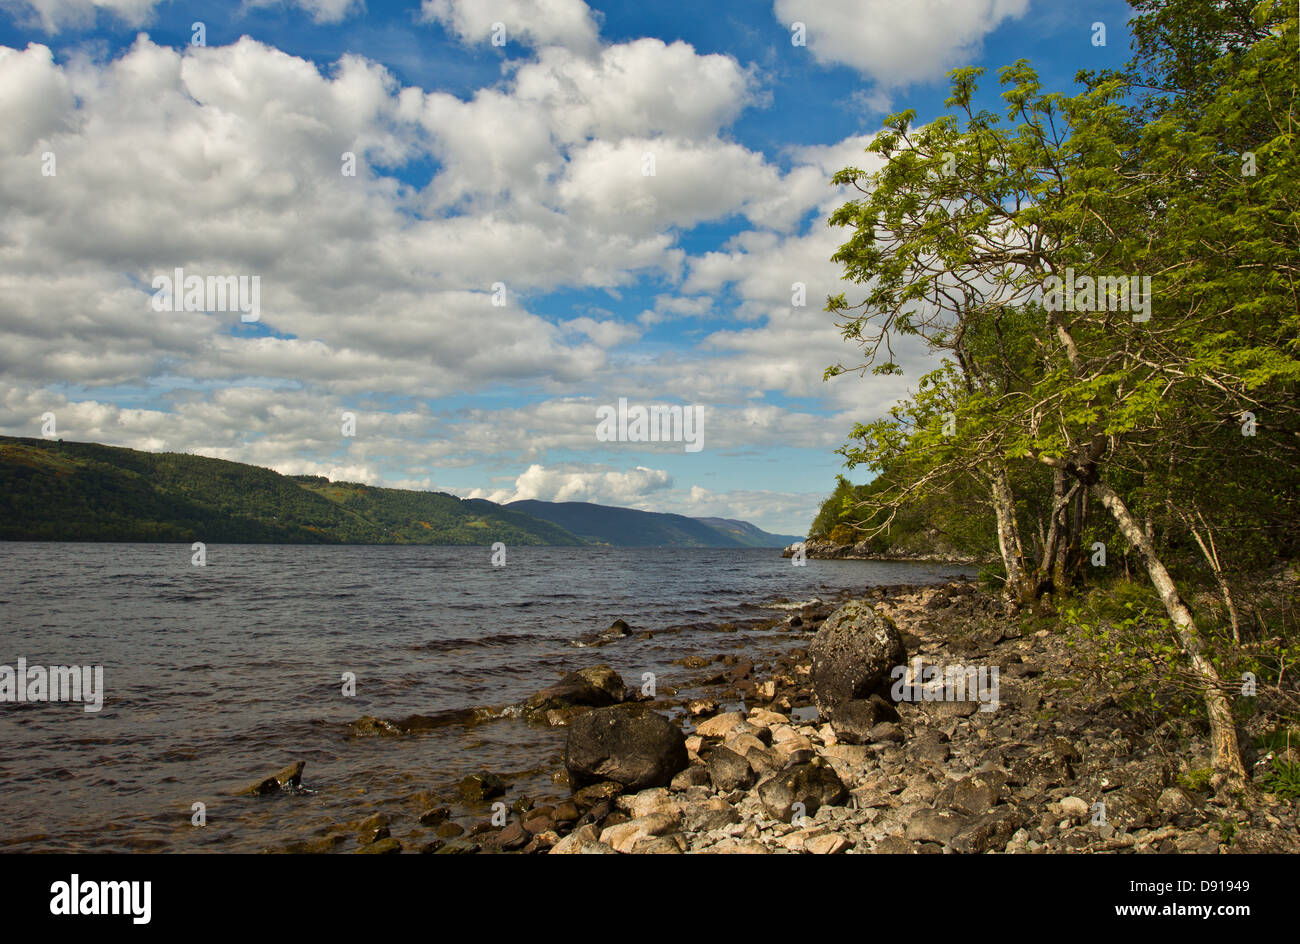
<point x="553" y="205"/>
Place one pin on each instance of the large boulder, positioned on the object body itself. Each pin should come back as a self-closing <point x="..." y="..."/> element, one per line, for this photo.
<point x="635" y="747"/>
<point x="595" y="687"/>
<point x="853" y="655"/>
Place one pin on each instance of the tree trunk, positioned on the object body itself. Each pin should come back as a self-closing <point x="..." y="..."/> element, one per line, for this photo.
<point x="1019" y="588"/>
<point x="1052" y="563"/>
<point x="1211" y="552"/>
<point x="1223" y="730"/>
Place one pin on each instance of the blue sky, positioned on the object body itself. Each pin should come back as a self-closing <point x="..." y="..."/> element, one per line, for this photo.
<point x="479" y="166"/>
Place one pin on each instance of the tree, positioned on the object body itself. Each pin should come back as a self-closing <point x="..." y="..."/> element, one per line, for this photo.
<point x="975" y="236"/>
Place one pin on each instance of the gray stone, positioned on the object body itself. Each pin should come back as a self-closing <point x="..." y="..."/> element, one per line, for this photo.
<point x="636" y="748"/>
<point x="853" y="655"/>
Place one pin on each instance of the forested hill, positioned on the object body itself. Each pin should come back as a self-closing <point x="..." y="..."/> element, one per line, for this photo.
<point x="65" y="491"/>
<point x="628" y="527"/>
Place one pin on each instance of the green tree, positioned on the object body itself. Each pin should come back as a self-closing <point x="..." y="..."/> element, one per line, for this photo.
<point x="958" y="240"/>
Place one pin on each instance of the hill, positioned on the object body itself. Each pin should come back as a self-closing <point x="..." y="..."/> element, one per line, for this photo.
<point x="65" y="491"/>
<point x="628" y="527"/>
<point x="747" y="534"/>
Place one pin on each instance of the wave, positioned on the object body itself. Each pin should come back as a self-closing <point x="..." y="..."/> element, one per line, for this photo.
<point x="492" y="641"/>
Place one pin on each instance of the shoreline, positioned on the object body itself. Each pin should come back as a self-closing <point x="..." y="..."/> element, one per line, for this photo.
<point x="822" y="549"/>
<point x="1056" y="766"/>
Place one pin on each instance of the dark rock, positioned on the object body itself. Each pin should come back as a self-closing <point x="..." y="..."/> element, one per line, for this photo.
<point x="1041" y="769"/>
<point x="813" y="785"/>
<point x="382" y="847"/>
<point x="368" y="726"/>
<point x="617" y="630"/>
<point x="434" y="816"/>
<point x="482" y="787"/>
<point x="853" y="655"/>
<point x="976" y="793"/>
<point x="800" y="755"/>
<point x="728" y="770"/>
<point x="458" y="847"/>
<point x="589" y="796"/>
<point x="740" y="670"/>
<point x="566" y="811"/>
<point x="764" y="761"/>
<point x="696" y="775"/>
<point x="593" y="687"/>
<point x="894" y="845"/>
<point x="702" y="707"/>
<point x="711" y="814"/>
<point x="288" y="779"/>
<point x="637" y="748"/>
<point x="513" y="836"/>
<point x="853" y="720"/>
<point x="596" y="815"/>
<point x="559" y="717"/>
<point x="935" y="826"/>
<point x="539" y="824"/>
<point x="991" y="830"/>
<point x="375" y="835"/>
<point x="946" y="710"/>
<point x="885" y="731"/>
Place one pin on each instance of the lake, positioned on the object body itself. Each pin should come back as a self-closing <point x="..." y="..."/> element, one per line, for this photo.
<point x="220" y="675"/>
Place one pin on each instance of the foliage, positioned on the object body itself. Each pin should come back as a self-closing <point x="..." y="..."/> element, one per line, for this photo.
<point x="58" y="491"/>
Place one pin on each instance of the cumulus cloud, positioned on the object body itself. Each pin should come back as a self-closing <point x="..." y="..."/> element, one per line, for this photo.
<point x="568" y="23"/>
<point x="896" y="43"/>
<point x="600" y="486"/>
<point x="53" y="16"/>
<point x="378" y="296"/>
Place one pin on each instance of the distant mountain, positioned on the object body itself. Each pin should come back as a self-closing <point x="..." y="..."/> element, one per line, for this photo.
<point x="749" y="535"/>
<point x="628" y="527"/>
<point x="67" y="491"/>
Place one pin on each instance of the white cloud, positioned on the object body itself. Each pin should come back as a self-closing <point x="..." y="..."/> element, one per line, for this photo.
<point x="640" y="88"/>
<point x="560" y="484"/>
<point x="226" y="160"/>
<point x="898" y="42"/>
<point x="606" y="333"/>
<point x="539" y="22"/>
<point x="606" y="184"/>
<point x="55" y="15"/>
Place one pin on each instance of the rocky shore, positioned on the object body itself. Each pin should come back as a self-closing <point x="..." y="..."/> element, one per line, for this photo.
<point x="814" y="751"/>
<point x="826" y="549"/>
